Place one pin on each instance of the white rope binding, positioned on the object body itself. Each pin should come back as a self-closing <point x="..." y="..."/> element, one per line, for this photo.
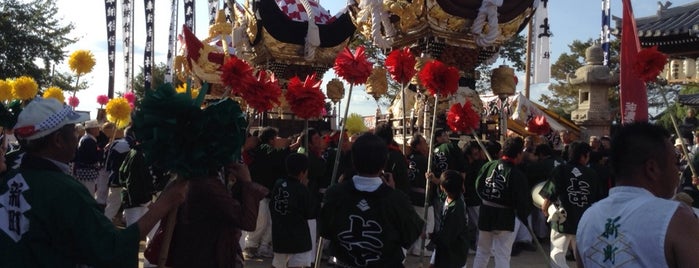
<point x="489" y="10"/>
<point x="313" y="34"/>
<point x="373" y="9"/>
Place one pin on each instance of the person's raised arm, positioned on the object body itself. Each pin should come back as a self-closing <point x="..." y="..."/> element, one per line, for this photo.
<point x="173" y="195"/>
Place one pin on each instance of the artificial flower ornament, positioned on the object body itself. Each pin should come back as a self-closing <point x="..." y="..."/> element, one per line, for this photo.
<point x="649" y="63"/>
<point x="355" y="124"/>
<point x="400" y="63"/>
<point x="236" y="74"/>
<point x="353" y="67"/>
<point x="439" y="78"/>
<point x="102" y="100"/>
<point x="263" y="94"/>
<point x="54" y="92"/>
<point x="119" y="112"/>
<point x="24" y="88"/>
<point x="213" y="136"/>
<point x="73" y="101"/>
<point x="538" y="125"/>
<point x="463" y="118"/>
<point x="5" y="90"/>
<point x="81" y="62"/>
<point x="305" y="98"/>
<point x="130" y="97"/>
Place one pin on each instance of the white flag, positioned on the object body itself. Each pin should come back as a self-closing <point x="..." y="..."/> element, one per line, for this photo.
<point x="542" y="53"/>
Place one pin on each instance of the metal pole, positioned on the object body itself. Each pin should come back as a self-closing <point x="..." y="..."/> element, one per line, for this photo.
<point x="405" y="129"/>
<point x="427" y="181"/>
<point x="338" y="153"/>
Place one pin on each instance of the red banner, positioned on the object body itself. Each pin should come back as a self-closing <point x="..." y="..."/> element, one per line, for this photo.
<point x="633" y="95"/>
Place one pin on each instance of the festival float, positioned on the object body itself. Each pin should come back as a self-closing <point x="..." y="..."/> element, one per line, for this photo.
<point x="275" y="37"/>
<point x="462" y="34"/>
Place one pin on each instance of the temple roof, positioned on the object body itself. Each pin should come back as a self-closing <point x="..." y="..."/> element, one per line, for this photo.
<point x="689" y="99"/>
<point x="675" y="30"/>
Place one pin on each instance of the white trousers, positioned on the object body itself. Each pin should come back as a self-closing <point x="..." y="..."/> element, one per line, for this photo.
<point x="262" y="236"/>
<point x="90" y="185"/>
<point x="113" y="202"/>
<point x="132" y="215"/>
<point x="102" y="186"/>
<point x="310" y="256"/>
<point x="473" y="213"/>
<point x="522" y="234"/>
<point x="497" y="244"/>
<point x="429" y="228"/>
<point x="538" y="223"/>
<point x="559" y="248"/>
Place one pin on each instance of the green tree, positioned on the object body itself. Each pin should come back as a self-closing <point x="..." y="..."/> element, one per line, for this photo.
<point x="513" y="52"/>
<point x="158" y="79"/>
<point x="674" y="108"/>
<point x="31" y="33"/>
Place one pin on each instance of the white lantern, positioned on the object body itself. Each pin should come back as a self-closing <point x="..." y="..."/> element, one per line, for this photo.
<point x="675" y="69"/>
<point x="689" y="68"/>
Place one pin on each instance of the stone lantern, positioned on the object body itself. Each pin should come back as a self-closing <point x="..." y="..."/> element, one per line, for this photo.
<point x="593" y="81"/>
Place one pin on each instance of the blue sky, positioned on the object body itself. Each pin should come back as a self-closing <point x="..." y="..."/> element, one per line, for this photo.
<point x="569" y="19"/>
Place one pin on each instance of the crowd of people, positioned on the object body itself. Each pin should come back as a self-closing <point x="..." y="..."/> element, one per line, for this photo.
<point x="69" y="198"/>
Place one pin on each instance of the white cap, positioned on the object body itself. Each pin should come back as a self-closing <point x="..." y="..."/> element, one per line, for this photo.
<point x="679" y="141"/>
<point x="44" y="116"/>
<point x="92" y="124"/>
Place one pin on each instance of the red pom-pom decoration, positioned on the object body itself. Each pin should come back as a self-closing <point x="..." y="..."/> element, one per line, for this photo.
<point x="353" y="67"/>
<point x="439" y="78"/>
<point x="102" y="100"/>
<point x="305" y="98"/>
<point x="649" y="63"/>
<point x="236" y="74"/>
<point x="73" y="101"/>
<point x="263" y="93"/>
<point x="130" y="97"/>
<point x="538" y="125"/>
<point x="463" y="118"/>
<point x="400" y="63"/>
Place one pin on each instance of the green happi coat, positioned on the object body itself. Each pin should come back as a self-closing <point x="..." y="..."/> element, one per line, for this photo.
<point x="59" y="224"/>
<point x="505" y="194"/>
<point x="575" y="187"/>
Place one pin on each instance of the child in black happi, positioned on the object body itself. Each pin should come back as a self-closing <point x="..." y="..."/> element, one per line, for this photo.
<point x="290" y="208"/>
<point x="451" y="239"/>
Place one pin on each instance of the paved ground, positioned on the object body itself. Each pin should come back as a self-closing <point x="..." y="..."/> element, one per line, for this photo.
<point x="526" y="259"/>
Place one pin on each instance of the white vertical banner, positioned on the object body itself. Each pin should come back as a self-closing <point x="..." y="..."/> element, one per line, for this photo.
<point x="127" y="7"/>
<point x="213" y="7"/>
<point x="172" y="42"/>
<point x="542" y="53"/>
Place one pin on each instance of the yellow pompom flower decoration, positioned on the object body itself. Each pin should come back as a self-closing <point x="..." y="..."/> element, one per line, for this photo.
<point x="81" y="62"/>
<point x="5" y="90"/>
<point x="24" y="88"/>
<point x="355" y="124"/>
<point x="182" y="89"/>
<point x="54" y="92"/>
<point x="119" y="112"/>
